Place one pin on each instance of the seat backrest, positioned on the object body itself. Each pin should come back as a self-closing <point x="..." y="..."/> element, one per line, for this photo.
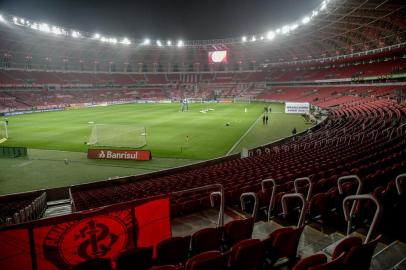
<point x="164" y="267"/>
<point x="308" y="262"/>
<point x="94" y="264"/>
<point x="246" y="255"/>
<point x="359" y="257"/>
<point x="209" y="260"/>
<point x="336" y="264"/>
<point x="345" y="245"/>
<point x="137" y="258"/>
<point x="286" y="242"/>
<point x="238" y="230"/>
<point x="207" y="239"/>
<point x="173" y="250"/>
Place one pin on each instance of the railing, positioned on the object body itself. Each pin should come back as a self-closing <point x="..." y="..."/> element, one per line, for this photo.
<point x="303" y="210"/>
<point x="272" y="199"/>
<point x="220" y="221"/>
<point x="309" y="190"/>
<point x="243" y="203"/>
<point x="398" y="185"/>
<point x="348" y="215"/>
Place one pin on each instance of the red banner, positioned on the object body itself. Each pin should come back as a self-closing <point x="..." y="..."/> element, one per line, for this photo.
<point x="62" y="242"/>
<point x="15" y="250"/>
<point x="119" y="154"/>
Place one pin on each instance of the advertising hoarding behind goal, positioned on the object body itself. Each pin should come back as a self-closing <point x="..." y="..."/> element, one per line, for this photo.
<point x="296" y="107"/>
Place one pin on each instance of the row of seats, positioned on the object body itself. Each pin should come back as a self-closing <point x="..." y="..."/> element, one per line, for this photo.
<point x="23" y="211"/>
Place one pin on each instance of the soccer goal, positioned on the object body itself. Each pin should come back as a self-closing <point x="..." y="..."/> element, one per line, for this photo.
<point x="113" y="135"/>
<point x="195" y="100"/>
<point x="243" y="99"/>
<point x="3" y="131"/>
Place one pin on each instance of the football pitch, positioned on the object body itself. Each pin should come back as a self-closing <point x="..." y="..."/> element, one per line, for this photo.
<point x="175" y="138"/>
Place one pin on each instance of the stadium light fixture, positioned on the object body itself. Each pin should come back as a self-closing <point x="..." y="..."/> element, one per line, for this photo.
<point x="270" y="35"/>
<point x="34" y="26"/>
<point x="113" y="40"/>
<point x="315" y="13"/>
<point x="22" y="21"/>
<point x="2" y="18"/>
<point x="293" y="27"/>
<point x="253" y="39"/>
<point x="262" y="38"/>
<point x="285" y="29"/>
<point x="146" y="42"/>
<point x="306" y="20"/>
<point x="244" y="39"/>
<point x="15" y="20"/>
<point x="180" y="43"/>
<point x="103" y="39"/>
<point x="44" y="28"/>
<point x="125" y="41"/>
<point x="96" y="36"/>
<point x="169" y="43"/>
<point x="75" y="34"/>
<point x="159" y="43"/>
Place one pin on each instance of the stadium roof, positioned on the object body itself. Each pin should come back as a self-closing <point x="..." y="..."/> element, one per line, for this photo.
<point x="339" y="28"/>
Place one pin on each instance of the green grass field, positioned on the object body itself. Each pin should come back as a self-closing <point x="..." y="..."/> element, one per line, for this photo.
<point x="54" y="136"/>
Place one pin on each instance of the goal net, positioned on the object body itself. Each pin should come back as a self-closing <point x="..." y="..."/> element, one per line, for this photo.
<point x="113" y="135"/>
<point x="243" y="99"/>
<point x="195" y="100"/>
<point x="3" y="131"/>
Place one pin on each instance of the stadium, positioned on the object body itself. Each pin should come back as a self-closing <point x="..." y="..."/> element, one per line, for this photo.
<point x="282" y="148"/>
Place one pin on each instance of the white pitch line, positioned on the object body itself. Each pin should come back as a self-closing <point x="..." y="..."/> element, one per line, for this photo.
<point x="245" y="134"/>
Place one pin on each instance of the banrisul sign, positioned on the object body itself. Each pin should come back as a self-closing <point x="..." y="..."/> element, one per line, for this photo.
<point x="119" y="154"/>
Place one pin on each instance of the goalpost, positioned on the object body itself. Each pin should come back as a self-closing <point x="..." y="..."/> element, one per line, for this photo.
<point x="243" y="99"/>
<point x="3" y="131"/>
<point x="195" y="100"/>
<point x="113" y="135"/>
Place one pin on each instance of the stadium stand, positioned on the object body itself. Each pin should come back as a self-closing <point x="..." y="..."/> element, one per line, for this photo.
<point x="352" y="63"/>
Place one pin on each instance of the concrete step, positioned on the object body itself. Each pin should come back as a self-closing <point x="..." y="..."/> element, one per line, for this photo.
<point x="389" y="257"/>
<point x="58" y="209"/>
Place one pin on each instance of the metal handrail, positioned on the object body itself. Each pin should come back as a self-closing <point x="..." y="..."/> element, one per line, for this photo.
<point x="302" y="212"/>
<point x="353" y="176"/>
<point x="243" y="205"/>
<point x="220" y="193"/>
<point x="348" y="216"/>
<point x="397" y="182"/>
<point x="272" y="199"/>
<point x="359" y="188"/>
<point x="309" y="191"/>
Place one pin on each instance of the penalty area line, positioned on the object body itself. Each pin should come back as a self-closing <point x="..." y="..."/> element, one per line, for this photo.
<point x="243" y="136"/>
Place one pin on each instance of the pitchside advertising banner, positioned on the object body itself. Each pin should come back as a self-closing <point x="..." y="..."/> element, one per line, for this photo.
<point x="62" y="242"/>
<point x="295" y="107"/>
<point x="119" y="154"/>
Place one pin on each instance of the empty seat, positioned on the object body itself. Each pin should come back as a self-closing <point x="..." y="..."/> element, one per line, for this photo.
<point x="246" y="255"/>
<point x="359" y="257"/>
<point x="94" y="264"/>
<point x="209" y="260"/>
<point x="319" y="262"/>
<point x="173" y="251"/>
<point x="207" y="239"/>
<point x="237" y="230"/>
<point x="137" y="258"/>
<point x="282" y="243"/>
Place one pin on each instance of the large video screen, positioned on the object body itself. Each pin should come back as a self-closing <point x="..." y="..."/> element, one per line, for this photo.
<point x="218" y="57"/>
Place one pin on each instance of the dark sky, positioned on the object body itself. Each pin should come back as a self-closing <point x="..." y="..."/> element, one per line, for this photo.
<point x="162" y="19"/>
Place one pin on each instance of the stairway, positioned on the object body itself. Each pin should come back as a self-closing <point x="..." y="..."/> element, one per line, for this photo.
<point x="392" y="256"/>
<point x="58" y="208"/>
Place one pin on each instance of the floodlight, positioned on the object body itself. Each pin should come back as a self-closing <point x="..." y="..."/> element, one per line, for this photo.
<point x="253" y="39"/>
<point x="56" y="30"/>
<point x="96" y="36"/>
<point x="270" y="35"/>
<point x="113" y="40"/>
<point x="180" y="43"/>
<point x="293" y="27"/>
<point x="323" y="5"/>
<point x="147" y="41"/>
<point x="261" y="38"/>
<point x="126" y="41"/>
<point x="2" y="18"/>
<point x="103" y="39"/>
<point x="75" y="34"/>
<point x="306" y="20"/>
<point x="244" y="39"/>
<point x="44" y="28"/>
<point x="34" y="26"/>
<point x="15" y="19"/>
<point x="315" y="13"/>
<point x="278" y="30"/>
<point x="285" y="29"/>
<point x="169" y="43"/>
<point x="159" y="43"/>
